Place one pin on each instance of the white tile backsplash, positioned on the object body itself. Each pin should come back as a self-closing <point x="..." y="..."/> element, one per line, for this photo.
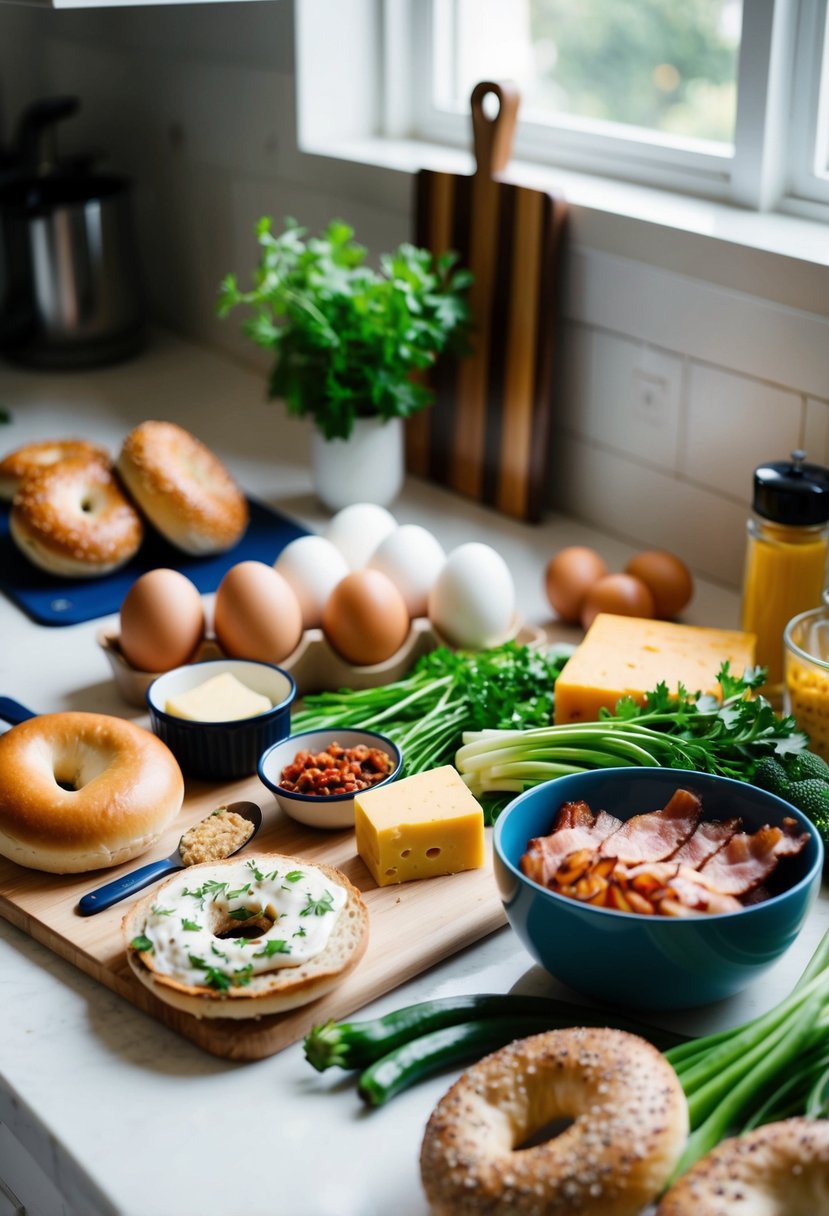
<point x="670" y="389"/>
<point x="735" y="423"/>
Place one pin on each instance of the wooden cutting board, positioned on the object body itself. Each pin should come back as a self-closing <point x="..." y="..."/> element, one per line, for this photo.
<point x="487" y="434"/>
<point x="412" y="926"/>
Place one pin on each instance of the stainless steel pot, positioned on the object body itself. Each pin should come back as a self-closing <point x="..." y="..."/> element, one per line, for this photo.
<point x="70" y="293"/>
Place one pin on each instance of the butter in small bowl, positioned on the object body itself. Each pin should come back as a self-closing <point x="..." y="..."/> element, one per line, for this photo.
<point x="221" y="741"/>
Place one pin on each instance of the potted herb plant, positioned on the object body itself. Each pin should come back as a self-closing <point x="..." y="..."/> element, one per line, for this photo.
<point x="349" y="344"/>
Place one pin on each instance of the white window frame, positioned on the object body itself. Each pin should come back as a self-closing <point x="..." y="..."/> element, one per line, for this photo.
<point x="776" y="127"/>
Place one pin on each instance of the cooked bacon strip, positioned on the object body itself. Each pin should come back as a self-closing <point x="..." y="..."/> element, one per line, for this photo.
<point x="749" y="858"/>
<point x="706" y="840"/>
<point x="573" y="815"/>
<point x="657" y="834"/>
<point x="546" y="853"/>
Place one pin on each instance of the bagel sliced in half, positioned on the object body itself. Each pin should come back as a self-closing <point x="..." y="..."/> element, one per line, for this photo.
<point x="246" y="937"/>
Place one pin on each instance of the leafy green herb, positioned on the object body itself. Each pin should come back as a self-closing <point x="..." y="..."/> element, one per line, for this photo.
<point x="255" y="871"/>
<point x="220" y="810"/>
<point x="272" y="947"/>
<point x="318" y="907"/>
<point x="241" y="913"/>
<point x="141" y="943"/>
<point x="446" y="693"/>
<point x="294" y="875"/>
<point x="219" y="953"/>
<point x="731" y="737"/>
<point x="300" y="932"/>
<point x="157" y="911"/>
<point x="190" y="926"/>
<point x="245" y="890"/>
<point x="214" y="978"/>
<point x="347" y="339"/>
<point x="210" y="888"/>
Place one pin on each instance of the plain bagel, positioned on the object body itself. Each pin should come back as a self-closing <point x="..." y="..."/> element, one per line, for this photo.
<point x="81" y="791"/>
<point x="71" y="518"/>
<point x="781" y="1169"/>
<point x="19" y="464"/>
<point x="248" y="936"/>
<point x="184" y="490"/>
<point x="630" y="1124"/>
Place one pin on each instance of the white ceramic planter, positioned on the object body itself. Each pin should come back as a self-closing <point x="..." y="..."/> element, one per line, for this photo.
<point x="366" y="467"/>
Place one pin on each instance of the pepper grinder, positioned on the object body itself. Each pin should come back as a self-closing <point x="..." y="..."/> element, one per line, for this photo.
<point x="786" y="555"/>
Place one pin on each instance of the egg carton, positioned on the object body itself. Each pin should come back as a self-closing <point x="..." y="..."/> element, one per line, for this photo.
<point x="314" y="664"/>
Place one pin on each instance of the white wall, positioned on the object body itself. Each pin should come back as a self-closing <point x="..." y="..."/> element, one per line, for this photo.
<point x="671" y="388"/>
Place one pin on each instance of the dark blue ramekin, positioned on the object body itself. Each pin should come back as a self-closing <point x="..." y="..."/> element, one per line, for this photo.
<point x="222" y="751"/>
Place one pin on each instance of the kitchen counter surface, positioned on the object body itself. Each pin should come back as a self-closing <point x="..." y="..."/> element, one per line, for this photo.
<point x="102" y="1110"/>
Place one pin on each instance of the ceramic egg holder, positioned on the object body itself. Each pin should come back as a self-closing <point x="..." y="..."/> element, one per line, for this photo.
<point x="314" y="664"/>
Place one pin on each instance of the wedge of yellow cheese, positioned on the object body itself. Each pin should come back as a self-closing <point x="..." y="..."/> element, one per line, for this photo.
<point x="419" y="827"/>
<point x="222" y="698"/>
<point x="624" y="656"/>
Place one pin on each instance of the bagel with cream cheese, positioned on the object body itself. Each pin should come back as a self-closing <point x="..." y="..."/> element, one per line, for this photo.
<point x="82" y="791"/>
<point x="248" y="936"/>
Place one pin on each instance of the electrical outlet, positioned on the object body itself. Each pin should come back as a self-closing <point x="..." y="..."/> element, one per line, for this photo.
<point x="650" y="398"/>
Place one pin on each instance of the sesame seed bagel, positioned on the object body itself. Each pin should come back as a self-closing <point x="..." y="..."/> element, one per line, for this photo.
<point x="781" y="1169"/>
<point x="17" y="465"/>
<point x="71" y="518"/>
<point x="184" y="490"/>
<point x="246" y="937"/>
<point x="81" y="791"/>
<point x="630" y="1123"/>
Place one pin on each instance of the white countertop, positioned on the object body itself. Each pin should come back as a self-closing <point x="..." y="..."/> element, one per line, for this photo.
<point x="119" y="1114"/>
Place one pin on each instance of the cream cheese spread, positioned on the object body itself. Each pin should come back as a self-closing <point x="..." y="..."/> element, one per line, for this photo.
<point x="220" y="927"/>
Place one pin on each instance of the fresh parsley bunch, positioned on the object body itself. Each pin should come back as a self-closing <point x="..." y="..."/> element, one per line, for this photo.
<point x="349" y="341"/>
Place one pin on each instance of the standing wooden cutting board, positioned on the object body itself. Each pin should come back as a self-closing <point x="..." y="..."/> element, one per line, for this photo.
<point x="487" y="435"/>
<point x="412" y="926"/>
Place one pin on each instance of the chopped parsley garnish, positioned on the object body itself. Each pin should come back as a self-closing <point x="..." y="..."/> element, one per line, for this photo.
<point x="272" y="947"/>
<point x="141" y="943"/>
<point x="318" y="907"/>
<point x="214" y="978"/>
<point x="190" y="925"/>
<point x="255" y="871"/>
<point x="245" y="890"/>
<point x="157" y="911"/>
<point x="241" y="913"/>
<point x="219" y="953"/>
<point x="294" y="875"/>
<point x="300" y="932"/>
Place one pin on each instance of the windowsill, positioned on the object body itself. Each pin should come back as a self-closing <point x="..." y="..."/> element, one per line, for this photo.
<point x="777" y="256"/>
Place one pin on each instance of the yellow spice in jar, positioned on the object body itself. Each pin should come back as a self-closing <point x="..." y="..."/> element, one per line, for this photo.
<point x="808" y="702"/>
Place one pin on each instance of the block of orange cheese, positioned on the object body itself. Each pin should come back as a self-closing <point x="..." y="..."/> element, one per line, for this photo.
<point x="627" y="656"/>
<point x="419" y="827"/>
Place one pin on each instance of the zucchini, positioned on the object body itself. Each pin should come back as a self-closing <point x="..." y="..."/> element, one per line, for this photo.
<point x="356" y="1045"/>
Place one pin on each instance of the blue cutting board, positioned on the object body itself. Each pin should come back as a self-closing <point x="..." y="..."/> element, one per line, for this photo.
<point x="55" y="601"/>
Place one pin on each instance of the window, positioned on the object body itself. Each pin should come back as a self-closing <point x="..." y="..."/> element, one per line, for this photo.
<point x="728" y="99"/>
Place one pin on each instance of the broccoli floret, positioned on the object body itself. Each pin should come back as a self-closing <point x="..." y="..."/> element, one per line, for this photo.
<point x="770" y="775"/>
<point x="812" y="798"/>
<point x="807" y="764"/>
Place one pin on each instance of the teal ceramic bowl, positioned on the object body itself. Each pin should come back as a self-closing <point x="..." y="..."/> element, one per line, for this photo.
<point x="652" y="962"/>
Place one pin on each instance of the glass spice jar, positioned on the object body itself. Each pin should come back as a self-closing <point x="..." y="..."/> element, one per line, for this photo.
<point x="786" y="556"/>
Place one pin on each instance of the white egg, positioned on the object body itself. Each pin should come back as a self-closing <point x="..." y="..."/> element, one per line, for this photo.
<point x="412" y="558"/>
<point x="312" y="567"/>
<point x="357" y="531"/>
<point x="472" y="602"/>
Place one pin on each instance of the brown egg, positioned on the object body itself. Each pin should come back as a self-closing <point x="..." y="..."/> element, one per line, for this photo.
<point x="162" y="621"/>
<point x="668" y="579"/>
<point x="569" y="576"/>
<point x="256" y="614"/>
<point x="620" y="594"/>
<point x="365" y="617"/>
